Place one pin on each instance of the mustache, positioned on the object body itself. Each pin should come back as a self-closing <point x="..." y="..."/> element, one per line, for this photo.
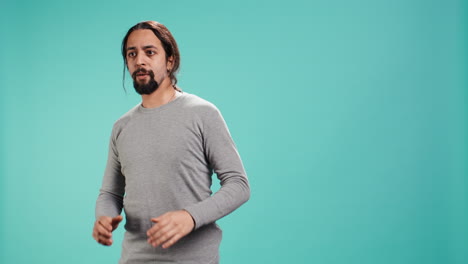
<point x="142" y="71"/>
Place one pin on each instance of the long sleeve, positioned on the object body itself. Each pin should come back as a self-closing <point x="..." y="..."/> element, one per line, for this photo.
<point x="162" y="159"/>
<point x="224" y="159"/>
<point x="110" y="199"/>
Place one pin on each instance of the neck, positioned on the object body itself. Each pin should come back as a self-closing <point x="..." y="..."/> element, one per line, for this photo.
<point x="163" y="95"/>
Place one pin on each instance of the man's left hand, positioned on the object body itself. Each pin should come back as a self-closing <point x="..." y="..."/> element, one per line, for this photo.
<point x="169" y="228"/>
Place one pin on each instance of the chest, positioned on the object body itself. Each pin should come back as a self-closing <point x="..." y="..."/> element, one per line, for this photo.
<point x="160" y="142"/>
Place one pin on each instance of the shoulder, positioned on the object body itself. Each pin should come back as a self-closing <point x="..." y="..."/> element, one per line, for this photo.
<point x="204" y="112"/>
<point x="120" y="123"/>
<point x="198" y="105"/>
<point x="195" y="102"/>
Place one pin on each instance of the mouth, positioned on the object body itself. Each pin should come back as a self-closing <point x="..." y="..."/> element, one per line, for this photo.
<point x="141" y="75"/>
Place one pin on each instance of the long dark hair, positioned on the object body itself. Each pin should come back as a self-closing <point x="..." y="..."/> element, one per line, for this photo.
<point x="168" y="42"/>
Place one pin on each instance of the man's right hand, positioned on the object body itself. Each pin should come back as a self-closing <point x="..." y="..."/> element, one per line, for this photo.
<point x="103" y="227"/>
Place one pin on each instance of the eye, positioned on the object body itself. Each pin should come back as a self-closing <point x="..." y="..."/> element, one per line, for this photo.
<point x="131" y="54"/>
<point x="150" y="52"/>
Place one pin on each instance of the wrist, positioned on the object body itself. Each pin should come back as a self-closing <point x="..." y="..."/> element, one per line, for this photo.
<point x="191" y="217"/>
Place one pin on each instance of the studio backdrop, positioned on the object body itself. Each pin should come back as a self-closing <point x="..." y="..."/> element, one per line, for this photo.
<point x="350" y="118"/>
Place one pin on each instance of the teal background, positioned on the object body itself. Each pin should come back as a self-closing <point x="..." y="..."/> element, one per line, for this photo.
<point x="350" y="117"/>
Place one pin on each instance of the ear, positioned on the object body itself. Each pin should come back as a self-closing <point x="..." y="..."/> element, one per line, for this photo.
<point x="170" y="63"/>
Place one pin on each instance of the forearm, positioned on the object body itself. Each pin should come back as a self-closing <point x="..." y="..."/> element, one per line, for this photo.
<point x="110" y="199"/>
<point x="221" y="153"/>
<point x="234" y="192"/>
<point x="108" y="204"/>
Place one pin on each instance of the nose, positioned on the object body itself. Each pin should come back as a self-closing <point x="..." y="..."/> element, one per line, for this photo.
<point x="139" y="60"/>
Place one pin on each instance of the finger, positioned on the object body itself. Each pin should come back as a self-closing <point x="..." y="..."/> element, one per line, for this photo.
<point x="106" y="223"/>
<point x="156" y="227"/>
<point x="101" y="231"/>
<point x="164" y="237"/>
<point x="116" y="220"/>
<point x="163" y="229"/>
<point x="95" y="235"/>
<point x="153" y="231"/>
<point x="159" y="218"/>
<point x="104" y="219"/>
<point x="172" y="241"/>
<point x="114" y="227"/>
<point x="104" y="241"/>
<point x="96" y="228"/>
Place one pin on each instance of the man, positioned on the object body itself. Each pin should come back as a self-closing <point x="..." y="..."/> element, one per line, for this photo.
<point x="162" y="154"/>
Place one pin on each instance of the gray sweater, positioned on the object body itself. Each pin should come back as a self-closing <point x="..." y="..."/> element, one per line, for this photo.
<point x="162" y="159"/>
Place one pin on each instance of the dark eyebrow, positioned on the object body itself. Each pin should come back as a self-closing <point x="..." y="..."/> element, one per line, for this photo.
<point x="145" y="47"/>
<point x="150" y="47"/>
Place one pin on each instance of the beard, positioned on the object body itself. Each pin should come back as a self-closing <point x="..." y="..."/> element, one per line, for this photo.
<point x="144" y="88"/>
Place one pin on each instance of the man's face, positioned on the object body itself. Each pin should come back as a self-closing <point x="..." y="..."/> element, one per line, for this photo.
<point x="146" y="61"/>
